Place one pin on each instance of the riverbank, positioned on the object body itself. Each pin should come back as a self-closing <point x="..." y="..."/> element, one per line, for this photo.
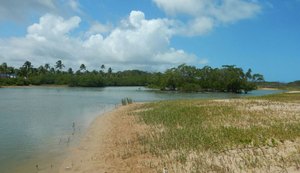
<point x="110" y="145"/>
<point x="36" y="86"/>
<point x="232" y="135"/>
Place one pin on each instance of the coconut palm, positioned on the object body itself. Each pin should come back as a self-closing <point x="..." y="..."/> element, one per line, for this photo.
<point x="82" y="67"/>
<point x="59" y="65"/>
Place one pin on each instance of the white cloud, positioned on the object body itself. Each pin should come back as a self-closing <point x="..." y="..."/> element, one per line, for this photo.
<point x="98" y="28"/>
<point x="19" y="10"/>
<point x="74" y="4"/>
<point x="136" y="43"/>
<point x="203" y="61"/>
<point x="204" y="15"/>
<point x="52" y="27"/>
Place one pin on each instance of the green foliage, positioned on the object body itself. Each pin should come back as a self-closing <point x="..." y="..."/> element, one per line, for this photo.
<point x="14" y="81"/>
<point x="86" y="80"/>
<point x="226" y="79"/>
<point x="184" y="78"/>
<point x="190" y="87"/>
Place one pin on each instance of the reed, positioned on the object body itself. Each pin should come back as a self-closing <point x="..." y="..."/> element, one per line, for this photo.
<point x="126" y="101"/>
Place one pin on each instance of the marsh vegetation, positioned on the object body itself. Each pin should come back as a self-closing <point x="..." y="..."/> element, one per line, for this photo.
<point x="237" y="135"/>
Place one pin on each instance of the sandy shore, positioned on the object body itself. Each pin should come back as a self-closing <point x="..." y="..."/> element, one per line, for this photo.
<point x="293" y="92"/>
<point x="110" y="145"/>
<point x="265" y="88"/>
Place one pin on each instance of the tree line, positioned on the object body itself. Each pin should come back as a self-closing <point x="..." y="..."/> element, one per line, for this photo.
<point x="228" y="78"/>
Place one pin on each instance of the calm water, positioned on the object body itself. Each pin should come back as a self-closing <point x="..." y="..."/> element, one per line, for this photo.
<point x="36" y="123"/>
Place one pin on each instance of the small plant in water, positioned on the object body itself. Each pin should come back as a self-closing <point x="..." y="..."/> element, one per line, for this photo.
<point x="126" y="101"/>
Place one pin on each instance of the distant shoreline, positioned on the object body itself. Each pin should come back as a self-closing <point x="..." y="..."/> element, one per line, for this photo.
<point x="36" y="86"/>
<point x="66" y="86"/>
<point x="266" y="88"/>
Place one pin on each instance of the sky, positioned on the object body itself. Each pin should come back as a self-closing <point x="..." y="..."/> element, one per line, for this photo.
<point x="154" y="35"/>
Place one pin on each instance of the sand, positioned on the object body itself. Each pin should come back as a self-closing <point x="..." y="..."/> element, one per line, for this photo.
<point x="110" y="145"/>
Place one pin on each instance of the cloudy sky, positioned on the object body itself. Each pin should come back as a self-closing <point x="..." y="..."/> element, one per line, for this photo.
<point x="154" y="34"/>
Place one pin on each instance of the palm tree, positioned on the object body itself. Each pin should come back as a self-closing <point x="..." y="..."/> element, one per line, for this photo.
<point x="52" y="70"/>
<point x="70" y="71"/>
<point x="109" y="71"/>
<point x="47" y="66"/>
<point x="59" y="65"/>
<point x="41" y="70"/>
<point x="26" y="68"/>
<point x="82" y="67"/>
<point x="3" y="67"/>
<point x="102" y="66"/>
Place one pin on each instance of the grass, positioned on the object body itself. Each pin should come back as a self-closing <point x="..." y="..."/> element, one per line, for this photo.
<point x="191" y="132"/>
<point x="283" y="97"/>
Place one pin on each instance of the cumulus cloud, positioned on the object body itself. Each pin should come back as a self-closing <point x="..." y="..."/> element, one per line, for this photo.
<point x="97" y="27"/>
<point x="204" y="15"/>
<point x="137" y="43"/>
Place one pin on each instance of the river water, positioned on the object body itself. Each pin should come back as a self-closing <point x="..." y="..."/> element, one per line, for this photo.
<point x="39" y="124"/>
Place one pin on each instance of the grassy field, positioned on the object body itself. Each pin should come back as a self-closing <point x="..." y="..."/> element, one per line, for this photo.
<point x="238" y="135"/>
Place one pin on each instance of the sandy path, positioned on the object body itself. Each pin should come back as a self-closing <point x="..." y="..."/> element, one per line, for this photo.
<point x="110" y="145"/>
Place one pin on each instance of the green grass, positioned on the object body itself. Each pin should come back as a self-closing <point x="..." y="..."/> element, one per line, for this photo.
<point x="223" y="135"/>
<point x="208" y="125"/>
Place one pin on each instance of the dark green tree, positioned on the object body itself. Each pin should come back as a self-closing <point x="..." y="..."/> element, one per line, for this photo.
<point x="70" y="71"/>
<point x="82" y="68"/>
<point x="59" y="65"/>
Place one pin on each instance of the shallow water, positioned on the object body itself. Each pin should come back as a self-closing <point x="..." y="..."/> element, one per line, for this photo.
<point x="36" y="123"/>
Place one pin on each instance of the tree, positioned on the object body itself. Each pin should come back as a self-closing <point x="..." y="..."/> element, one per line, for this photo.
<point x="248" y="74"/>
<point x="52" y="70"/>
<point x="26" y="69"/>
<point x="109" y="71"/>
<point x="59" y="65"/>
<point x="258" y="78"/>
<point x="47" y="66"/>
<point x="82" y="67"/>
<point x="41" y="70"/>
<point x="3" y="68"/>
<point x="102" y="66"/>
<point x="70" y="71"/>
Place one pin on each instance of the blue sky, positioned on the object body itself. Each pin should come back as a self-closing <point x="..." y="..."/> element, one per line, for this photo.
<point x="154" y="34"/>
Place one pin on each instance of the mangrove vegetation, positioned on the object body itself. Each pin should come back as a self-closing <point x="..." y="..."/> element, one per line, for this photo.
<point x="228" y="78"/>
